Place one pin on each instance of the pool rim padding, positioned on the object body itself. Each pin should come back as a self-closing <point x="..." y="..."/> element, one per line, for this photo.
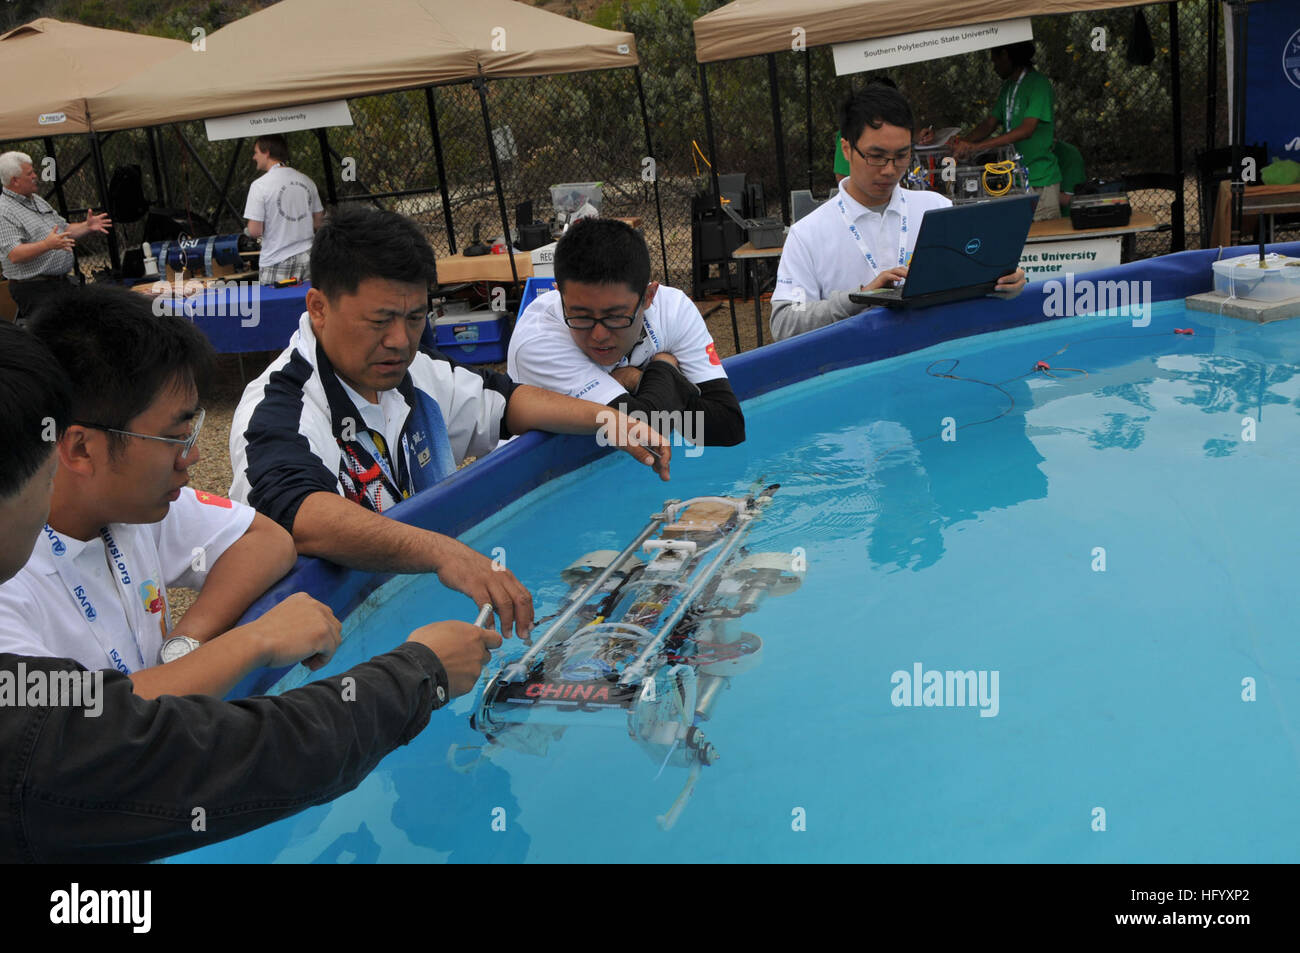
<point x="479" y="491"/>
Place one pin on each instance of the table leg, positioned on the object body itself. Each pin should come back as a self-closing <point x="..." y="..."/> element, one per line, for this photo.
<point x="731" y="303"/>
<point x="758" y="302"/>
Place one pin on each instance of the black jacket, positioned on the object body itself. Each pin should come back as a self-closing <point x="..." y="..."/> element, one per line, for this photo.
<point x="125" y="785"/>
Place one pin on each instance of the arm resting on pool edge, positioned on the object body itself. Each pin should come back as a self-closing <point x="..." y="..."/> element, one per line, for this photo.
<point x="124" y="786"/>
<point x="331" y="527"/>
<point x="797" y="317"/>
<point x="664" y="389"/>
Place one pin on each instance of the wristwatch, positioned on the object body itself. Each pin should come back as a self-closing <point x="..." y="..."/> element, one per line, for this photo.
<point x="177" y="647"/>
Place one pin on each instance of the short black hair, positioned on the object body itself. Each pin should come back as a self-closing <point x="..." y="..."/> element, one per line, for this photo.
<point x="1021" y="54"/>
<point x="118" y="354"/>
<point x="603" y="251"/>
<point x="34" y="395"/>
<point x="356" y="243"/>
<point x="275" y="146"/>
<point x="874" y="105"/>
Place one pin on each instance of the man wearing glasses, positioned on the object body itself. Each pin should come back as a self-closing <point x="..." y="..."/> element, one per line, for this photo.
<point x="352" y="417"/>
<point x="862" y="238"/>
<point x="609" y="334"/>
<point x="123" y="526"/>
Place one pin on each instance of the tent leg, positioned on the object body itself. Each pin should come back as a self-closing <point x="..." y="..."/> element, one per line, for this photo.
<point x="323" y="139"/>
<point x="807" y="88"/>
<point x="1212" y="75"/>
<point x="58" y="179"/>
<point x="481" y="85"/>
<point x="1178" y="242"/>
<point x="207" y="173"/>
<point x="101" y="179"/>
<point x="717" y="197"/>
<point x="225" y="187"/>
<point x="708" y="130"/>
<point x="442" y="168"/>
<point x="159" y="181"/>
<point x="1239" y="14"/>
<point x="782" y="182"/>
<point x="650" y="151"/>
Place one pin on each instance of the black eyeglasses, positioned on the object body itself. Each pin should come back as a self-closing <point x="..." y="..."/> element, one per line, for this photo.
<point x="902" y="160"/>
<point x="185" y="443"/>
<point x="615" y="322"/>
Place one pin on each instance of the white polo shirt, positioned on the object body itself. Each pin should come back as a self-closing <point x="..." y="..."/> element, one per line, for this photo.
<point x="542" y="352"/>
<point x="283" y="200"/>
<point x="103" y="603"/>
<point x="821" y="254"/>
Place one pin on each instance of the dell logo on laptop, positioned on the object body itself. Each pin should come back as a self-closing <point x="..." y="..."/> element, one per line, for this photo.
<point x="972" y="246"/>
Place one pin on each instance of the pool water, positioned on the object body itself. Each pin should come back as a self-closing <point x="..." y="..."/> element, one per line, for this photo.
<point x="1117" y="549"/>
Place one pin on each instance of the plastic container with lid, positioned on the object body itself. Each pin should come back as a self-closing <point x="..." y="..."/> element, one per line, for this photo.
<point x="1242" y="277"/>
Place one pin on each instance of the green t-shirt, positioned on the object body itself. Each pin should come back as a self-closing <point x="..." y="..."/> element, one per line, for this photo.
<point x="841" y="163"/>
<point x="1070" y="160"/>
<point x="1033" y="98"/>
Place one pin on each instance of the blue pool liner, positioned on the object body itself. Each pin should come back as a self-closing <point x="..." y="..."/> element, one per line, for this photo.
<point x="471" y="495"/>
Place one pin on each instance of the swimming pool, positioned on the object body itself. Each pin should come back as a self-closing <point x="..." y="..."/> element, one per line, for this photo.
<point x="1109" y="555"/>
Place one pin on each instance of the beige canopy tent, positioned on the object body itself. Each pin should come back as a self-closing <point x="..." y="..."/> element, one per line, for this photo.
<point x="754" y="27"/>
<point x="305" y="51"/>
<point x="746" y="28"/>
<point x="49" y="69"/>
<point x="298" y="52"/>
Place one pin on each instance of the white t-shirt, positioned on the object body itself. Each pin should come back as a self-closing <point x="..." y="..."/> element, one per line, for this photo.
<point x="821" y="255"/>
<point x="103" y="603"/>
<point x="542" y="352"/>
<point x="283" y="200"/>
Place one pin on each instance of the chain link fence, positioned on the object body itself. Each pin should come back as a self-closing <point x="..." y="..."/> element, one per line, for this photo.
<point x="588" y="127"/>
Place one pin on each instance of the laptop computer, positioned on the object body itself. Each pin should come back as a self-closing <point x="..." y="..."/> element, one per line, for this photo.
<point x="960" y="253"/>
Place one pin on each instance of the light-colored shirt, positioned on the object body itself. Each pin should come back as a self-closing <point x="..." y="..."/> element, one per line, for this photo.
<point x="822" y="262"/>
<point x="26" y="219"/>
<point x="103" y="602"/>
<point x="283" y="200"/>
<point x="543" y="353"/>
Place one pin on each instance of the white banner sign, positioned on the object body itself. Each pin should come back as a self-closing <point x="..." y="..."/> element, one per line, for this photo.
<point x="281" y="120"/>
<point x="1043" y="260"/>
<point x="886" y="51"/>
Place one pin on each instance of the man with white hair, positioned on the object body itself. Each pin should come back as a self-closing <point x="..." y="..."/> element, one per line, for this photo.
<point x="35" y="241"/>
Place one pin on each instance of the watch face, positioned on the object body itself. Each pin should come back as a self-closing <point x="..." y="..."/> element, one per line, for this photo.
<point x="177" y="647"/>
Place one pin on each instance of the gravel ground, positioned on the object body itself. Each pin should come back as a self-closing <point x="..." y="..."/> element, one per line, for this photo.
<point x="212" y="471"/>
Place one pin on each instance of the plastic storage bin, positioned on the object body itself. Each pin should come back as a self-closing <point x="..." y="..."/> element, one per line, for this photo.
<point x="1241" y="277"/>
<point x="474" y="338"/>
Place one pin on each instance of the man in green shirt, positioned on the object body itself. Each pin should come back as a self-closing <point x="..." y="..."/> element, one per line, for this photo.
<point x="1024" y="109"/>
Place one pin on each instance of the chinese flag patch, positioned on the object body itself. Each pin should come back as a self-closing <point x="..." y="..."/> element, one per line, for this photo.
<point x="212" y="499"/>
<point x="712" y="351"/>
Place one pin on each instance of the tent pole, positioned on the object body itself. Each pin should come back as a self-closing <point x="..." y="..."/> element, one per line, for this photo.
<point x="207" y="173"/>
<point x="782" y="182"/>
<point x="58" y="180"/>
<point x="807" y="88"/>
<point x="442" y="168"/>
<point x="1212" y="75"/>
<point x="225" y="188"/>
<point x="159" y="183"/>
<point x="1238" y="103"/>
<point x="1179" y="240"/>
<point x="650" y="151"/>
<point x="717" y="200"/>
<point x="323" y="138"/>
<point x="481" y="85"/>
<point x="708" y="129"/>
<point x="114" y="258"/>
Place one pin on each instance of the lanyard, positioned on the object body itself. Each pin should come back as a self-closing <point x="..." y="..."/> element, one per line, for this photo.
<point x="68" y="574"/>
<point x="377" y="446"/>
<point x="1011" y="100"/>
<point x="861" y="242"/>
